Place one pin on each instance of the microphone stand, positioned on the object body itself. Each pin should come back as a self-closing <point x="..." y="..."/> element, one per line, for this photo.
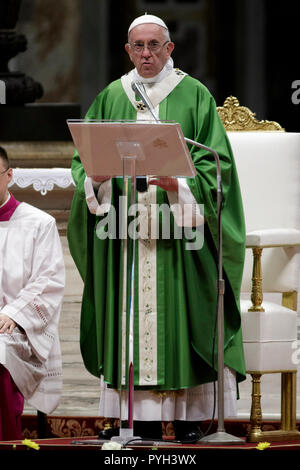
<point x="219" y="437"/>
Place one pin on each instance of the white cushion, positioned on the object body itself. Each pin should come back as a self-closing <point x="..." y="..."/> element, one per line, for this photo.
<point x="268" y="165"/>
<point x="270" y="356"/>
<point x="275" y="324"/>
<point x="268" y="337"/>
<point x="273" y="237"/>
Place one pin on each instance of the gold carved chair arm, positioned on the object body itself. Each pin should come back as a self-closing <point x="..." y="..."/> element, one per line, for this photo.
<point x="270" y="238"/>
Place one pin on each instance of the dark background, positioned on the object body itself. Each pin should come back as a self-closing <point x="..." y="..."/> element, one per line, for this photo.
<point x="250" y="50"/>
<point x="245" y="48"/>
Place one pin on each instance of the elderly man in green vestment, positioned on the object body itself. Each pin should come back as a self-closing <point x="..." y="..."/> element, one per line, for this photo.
<point x="176" y="295"/>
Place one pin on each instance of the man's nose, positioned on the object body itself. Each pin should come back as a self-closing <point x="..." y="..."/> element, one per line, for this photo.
<point x="146" y="52"/>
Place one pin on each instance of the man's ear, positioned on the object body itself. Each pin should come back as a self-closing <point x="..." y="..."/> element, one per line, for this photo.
<point x="9" y="175"/>
<point x="128" y="50"/>
<point x="170" y="47"/>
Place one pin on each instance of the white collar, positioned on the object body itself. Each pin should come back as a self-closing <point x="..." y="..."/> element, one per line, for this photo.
<point x="169" y="79"/>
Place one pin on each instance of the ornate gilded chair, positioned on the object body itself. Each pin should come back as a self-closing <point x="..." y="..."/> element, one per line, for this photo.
<point x="268" y="164"/>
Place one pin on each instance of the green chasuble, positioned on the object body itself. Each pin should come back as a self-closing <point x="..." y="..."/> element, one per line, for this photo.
<point x="174" y="316"/>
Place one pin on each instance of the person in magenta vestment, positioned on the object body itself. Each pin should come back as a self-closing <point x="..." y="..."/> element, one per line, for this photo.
<point x="31" y="289"/>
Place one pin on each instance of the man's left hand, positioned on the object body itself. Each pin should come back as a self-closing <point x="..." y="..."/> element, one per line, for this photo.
<point x="166" y="182"/>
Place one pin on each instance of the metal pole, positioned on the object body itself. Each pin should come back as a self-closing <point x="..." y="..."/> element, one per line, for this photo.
<point x="220" y="437"/>
<point x="131" y="312"/>
<point x="129" y="170"/>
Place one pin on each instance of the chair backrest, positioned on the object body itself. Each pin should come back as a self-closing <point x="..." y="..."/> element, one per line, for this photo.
<point x="268" y="165"/>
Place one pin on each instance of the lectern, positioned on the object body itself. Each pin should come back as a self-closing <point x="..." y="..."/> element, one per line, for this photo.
<point x="128" y="149"/>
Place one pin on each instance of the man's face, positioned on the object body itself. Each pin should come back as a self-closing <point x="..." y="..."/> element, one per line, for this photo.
<point x="5" y="178"/>
<point x="149" y="63"/>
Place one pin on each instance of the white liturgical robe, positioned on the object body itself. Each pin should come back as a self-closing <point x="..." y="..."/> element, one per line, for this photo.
<point x="32" y="282"/>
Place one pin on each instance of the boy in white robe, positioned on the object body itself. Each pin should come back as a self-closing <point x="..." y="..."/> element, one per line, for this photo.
<point x="32" y="282"/>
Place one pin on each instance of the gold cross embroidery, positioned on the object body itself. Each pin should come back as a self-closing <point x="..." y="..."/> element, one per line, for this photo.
<point x="141" y="107"/>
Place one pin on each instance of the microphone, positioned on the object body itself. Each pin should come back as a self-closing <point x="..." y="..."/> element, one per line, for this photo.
<point x="139" y="89"/>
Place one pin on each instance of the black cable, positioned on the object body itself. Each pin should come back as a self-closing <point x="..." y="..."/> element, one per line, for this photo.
<point x="165" y="441"/>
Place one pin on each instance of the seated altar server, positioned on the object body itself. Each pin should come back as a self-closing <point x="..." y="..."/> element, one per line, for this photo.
<point x="32" y="279"/>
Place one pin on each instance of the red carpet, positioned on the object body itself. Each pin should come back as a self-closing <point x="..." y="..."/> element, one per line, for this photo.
<point x="85" y="426"/>
<point x="73" y="450"/>
<point x="78" y="444"/>
<point x="64" y="438"/>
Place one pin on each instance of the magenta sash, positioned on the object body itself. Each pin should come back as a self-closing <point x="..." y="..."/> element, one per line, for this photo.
<point x="8" y="209"/>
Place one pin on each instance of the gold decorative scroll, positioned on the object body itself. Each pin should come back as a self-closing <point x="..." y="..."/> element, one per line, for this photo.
<point x="240" y="118"/>
<point x="256" y="292"/>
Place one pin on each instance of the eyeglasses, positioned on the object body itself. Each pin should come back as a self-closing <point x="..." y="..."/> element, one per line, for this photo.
<point x="2" y="172"/>
<point x="153" y="46"/>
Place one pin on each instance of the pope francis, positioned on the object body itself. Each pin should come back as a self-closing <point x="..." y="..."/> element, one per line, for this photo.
<point x="176" y="296"/>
